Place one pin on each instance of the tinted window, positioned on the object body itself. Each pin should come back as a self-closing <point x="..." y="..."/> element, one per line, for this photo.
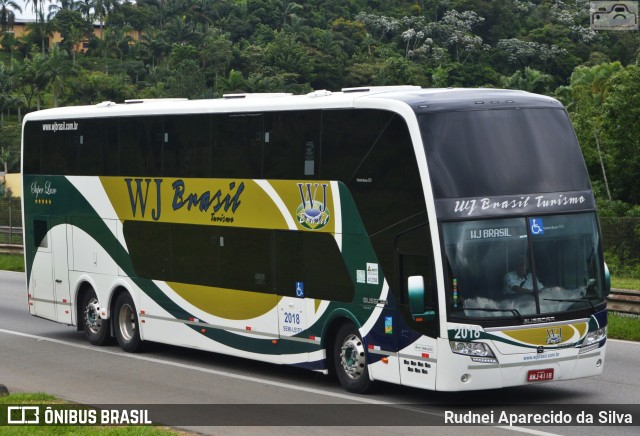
<point x="204" y="255"/>
<point x="245" y="259"/>
<point x="237" y="145"/>
<point x="195" y="254"/>
<point x="92" y="154"/>
<point x="315" y="260"/>
<point x="239" y="258"/>
<point x="140" y="146"/>
<point x="502" y="152"/>
<point x="187" y="149"/>
<point x="292" y="145"/>
<point x="386" y="184"/>
<point x="40" y="229"/>
<point x="59" y="148"/>
<point x="32" y="147"/>
<point x="372" y="153"/>
<point x="149" y="245"/>
<point x="347" y="137"/>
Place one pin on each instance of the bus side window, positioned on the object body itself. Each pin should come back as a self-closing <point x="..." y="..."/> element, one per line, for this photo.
<point x="186" y="146"/>
<point x="40" y="229"/>
<point x="32" y="147"/>
<point x="237" y="145"/>
<point x="139" y="146"/>
<point x="291" y="145"/>
<point x="315" y="260"/>
<point x="91" y="153"/>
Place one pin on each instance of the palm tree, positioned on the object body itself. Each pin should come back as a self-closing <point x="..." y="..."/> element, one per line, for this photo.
<point x="102" y="9"/>
<point x="64" y="4"/>
<point x="59" y="68"/>
<point x="36" y="6"/>
<point x="7" y="13"/>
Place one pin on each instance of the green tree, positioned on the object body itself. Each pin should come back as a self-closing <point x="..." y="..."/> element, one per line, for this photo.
<point x="73" y="27"/>
<point x="285" y="53"/>
<point x="33" y="77"/>
<point x="589" y="88"/>
<point x="621" y="132"/>
<point x="8" y="10"/>
<point x="187" y="80"/>
<point x="216" y="52"/>
<point x="7" y="89"/>
<point x="96" y="86"/>
<point x="455" y="32"/>
<point x="235" y="82"/>
<point x="59" y="70"/>
<point x="529" y="80"/>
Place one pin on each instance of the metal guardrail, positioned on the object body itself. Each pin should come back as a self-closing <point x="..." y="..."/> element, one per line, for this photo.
<point x="11" y="249"/>
<point x="624" y="301"/>
<point x="8" y="247"/>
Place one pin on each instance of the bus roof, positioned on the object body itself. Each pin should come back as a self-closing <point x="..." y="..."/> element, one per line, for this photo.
<point x="419" y="99"/>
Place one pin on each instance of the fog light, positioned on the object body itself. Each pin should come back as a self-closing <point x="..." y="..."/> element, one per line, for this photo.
<point x="465" y="378"/>
<point x="599" y="363"/>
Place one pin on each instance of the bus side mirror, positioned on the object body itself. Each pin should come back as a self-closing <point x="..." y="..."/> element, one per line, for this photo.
<point x="415" y="288"/>
<point x="607" y="280"/>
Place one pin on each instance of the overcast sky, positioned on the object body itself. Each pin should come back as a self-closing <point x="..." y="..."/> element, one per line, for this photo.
<point x="27" y="11"/>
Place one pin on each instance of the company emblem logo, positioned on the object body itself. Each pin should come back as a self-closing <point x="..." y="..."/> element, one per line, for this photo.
<point x="554" y="335"/>
<point x="312" y="213"/>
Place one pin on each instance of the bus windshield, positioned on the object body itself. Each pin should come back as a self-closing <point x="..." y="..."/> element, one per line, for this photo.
<point x="515" y="267"/>
<point x="502" y="152"/>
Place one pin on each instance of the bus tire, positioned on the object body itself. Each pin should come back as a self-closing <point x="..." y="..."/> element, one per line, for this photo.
<point x="95" y="328"/>
<point x="125" y="324"/>
<point x="350" y="360"/>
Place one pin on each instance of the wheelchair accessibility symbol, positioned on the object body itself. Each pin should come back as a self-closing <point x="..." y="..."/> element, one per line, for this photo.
<point x="300" y="289"/>
<point x="535" y="225"/>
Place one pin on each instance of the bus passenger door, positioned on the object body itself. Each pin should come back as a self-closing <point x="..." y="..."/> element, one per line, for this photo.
<point x="417" y="338"/>
<point x="49" y="281"/>
<point x="292" y="314"/>
<point x="41" y="292"/>
<point x="293" y="301"/>
<point x="60" y="260"/>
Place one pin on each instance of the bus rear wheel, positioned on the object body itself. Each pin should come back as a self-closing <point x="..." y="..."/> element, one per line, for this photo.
<point x="95" y="328"/>
<point x="350" y="360"/>
<point x="126" y="324"/>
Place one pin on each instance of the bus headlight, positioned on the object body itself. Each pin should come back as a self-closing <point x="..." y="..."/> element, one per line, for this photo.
<point x="478" y="351"/>
<point x="592" y="340"/>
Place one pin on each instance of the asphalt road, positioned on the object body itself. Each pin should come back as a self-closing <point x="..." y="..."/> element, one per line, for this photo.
<point x="39" y="355"/>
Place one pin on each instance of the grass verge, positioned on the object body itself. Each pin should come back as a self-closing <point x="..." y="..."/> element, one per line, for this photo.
<point x="12" y="262"/>
<point x="625" y="283"/>
<point x="623" y="327"/>
<point x="46" y="399"/>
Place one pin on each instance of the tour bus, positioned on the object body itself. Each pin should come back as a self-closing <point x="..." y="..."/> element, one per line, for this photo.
<point x="445" y="239"/>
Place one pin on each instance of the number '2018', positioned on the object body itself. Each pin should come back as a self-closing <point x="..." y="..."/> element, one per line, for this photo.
<point x="291" y="318"/>
<point x="467" y="334"/>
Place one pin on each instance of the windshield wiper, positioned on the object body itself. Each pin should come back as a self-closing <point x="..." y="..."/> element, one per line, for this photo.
<point x="485" y="309"/>
<point x="569" y="300"/>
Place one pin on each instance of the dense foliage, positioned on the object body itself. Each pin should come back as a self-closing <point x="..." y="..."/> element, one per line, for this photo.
<point x="204" y="48"/>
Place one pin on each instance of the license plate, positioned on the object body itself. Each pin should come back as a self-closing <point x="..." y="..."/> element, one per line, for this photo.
<point x="540" y="375"/>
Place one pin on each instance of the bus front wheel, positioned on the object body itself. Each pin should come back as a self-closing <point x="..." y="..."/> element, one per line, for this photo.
<point x="95" y="328"/>
<point x="126" y="324"/>
<point x="350" y="360"/>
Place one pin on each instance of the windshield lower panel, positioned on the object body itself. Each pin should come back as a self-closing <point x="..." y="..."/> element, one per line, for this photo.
<point x="523" y="267"/>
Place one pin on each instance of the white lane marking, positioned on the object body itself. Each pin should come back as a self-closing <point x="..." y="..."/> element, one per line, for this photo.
<point x="198" y="368"/>
<point x="254" y="379"/>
